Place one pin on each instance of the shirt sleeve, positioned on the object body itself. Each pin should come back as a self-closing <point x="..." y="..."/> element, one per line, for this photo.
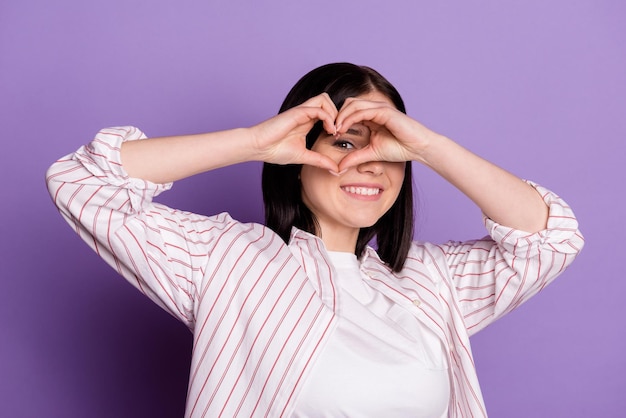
<point x="160" y="250"/>
<point x="496" y="274"/>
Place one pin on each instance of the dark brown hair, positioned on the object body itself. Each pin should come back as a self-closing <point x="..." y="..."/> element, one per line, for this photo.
<point x="282" y="193"/>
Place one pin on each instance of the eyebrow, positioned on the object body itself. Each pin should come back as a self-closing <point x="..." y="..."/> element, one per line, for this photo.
<point x="355" y="131"/>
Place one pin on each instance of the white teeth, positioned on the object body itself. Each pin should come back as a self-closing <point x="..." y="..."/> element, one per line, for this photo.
<point x="366" y="191"/>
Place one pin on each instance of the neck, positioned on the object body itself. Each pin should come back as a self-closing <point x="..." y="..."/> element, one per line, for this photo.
<point x="343" y="241"/>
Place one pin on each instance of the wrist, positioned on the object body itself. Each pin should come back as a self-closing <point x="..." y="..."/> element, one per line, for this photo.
<point x="253" y="143"/>
<point x="434" y="146"/>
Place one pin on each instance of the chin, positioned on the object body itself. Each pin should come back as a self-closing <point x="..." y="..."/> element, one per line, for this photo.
<point x="366" y="223"/>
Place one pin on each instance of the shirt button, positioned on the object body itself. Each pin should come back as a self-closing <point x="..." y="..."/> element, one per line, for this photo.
<point x="417" y="302"/>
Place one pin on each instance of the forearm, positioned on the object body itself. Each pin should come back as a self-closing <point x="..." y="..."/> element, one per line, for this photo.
<point x="500" y="195"/>
<point x="167" y="159"/>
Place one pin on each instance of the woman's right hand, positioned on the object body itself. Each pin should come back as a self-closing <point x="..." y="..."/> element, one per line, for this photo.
<point x="279" y="140"/>
<point x="282" y="139"/>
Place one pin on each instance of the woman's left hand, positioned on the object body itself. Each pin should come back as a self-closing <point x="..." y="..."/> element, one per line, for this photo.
<point x="394" y="136"/>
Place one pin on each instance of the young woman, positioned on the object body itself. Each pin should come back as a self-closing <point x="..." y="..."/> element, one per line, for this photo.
<point x="301" y="317"/>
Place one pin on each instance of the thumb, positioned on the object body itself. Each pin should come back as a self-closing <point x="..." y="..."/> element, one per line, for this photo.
<point x="355" y="158"/>
<point x="318" y="160"/>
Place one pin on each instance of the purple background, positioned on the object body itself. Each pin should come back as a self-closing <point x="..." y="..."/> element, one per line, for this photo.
<point x="537" y="86"/>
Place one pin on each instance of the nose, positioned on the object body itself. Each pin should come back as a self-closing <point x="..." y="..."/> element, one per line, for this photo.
<point x="375" y="168"/>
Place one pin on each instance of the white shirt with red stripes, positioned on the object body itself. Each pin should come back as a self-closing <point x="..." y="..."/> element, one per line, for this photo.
<point x="261" y="311"/>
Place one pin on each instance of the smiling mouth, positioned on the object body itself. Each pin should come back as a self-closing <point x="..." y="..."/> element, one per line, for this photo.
<point x="363" y="191"/>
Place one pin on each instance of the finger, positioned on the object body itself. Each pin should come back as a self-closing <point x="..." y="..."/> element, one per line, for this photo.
<point x="316" y="159"/>
<point x="324" y="102"/>
<point x="332" y="110"/>
<point x="349" y="106"/>
<point x="355" y="158"/>
<point x="310" y="114"/>
<point x="359" y="103"/>
<point x="358" y="114"/>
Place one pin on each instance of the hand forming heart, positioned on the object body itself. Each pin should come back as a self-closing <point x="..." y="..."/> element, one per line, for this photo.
<point x="393" y="136"/>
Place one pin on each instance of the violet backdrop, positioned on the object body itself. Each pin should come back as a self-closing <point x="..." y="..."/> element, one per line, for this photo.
<point x="538" y="87"/>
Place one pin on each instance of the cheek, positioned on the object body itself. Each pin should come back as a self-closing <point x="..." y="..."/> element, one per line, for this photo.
<point x="312" y="181"/>
<point x="395" y="171"/>
<point x="306" y="173"/>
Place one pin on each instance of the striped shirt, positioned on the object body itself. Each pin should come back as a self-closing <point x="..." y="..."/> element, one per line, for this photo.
<point x="261" y="311"/>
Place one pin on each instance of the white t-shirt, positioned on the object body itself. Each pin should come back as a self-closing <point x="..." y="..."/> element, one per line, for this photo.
<point x="380" y="361"/>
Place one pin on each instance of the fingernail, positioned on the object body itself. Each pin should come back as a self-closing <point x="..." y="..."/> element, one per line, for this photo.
<point x="334" y="173"/>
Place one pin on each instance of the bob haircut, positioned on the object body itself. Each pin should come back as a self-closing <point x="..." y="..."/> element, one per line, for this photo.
<point x="282" y="193"/>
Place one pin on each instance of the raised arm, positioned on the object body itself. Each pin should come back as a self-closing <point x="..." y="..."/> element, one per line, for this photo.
<point x="105" y="192"/>
<point x="279" y="140"/>
<point x="501" y="196"/>
<point x="534" y="234"/>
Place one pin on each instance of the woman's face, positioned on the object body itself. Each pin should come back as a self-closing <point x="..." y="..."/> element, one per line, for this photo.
<point x="355" y="199"/>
